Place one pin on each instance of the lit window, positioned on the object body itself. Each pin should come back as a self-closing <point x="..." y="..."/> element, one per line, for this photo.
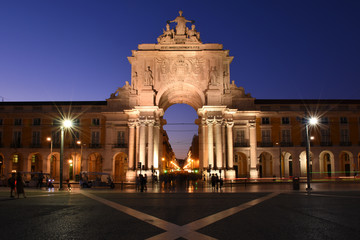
<point x="15" y="158"/>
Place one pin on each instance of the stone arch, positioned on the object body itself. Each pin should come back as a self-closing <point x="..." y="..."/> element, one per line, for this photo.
<point x="265" y="165"/>
<point x="241" y="165"/>
<point x="76" y="162"/>
<point x="180" y="92"/>
<point x="2" y="167"/>
<point x="346" y="163"/>
<point x="287" y="164"/>
<point x="95" y="162"/>
<point x="120" y="167"/>
<point x="302" y="159"/>
<point x="35" y="162"/>
<point x="327" y="163"/>
<point x="54" y="165"/>
<point x="16" y="162"/>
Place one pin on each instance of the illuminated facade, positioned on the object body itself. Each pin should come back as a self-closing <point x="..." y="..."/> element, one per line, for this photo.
<point x="238" y="135"/>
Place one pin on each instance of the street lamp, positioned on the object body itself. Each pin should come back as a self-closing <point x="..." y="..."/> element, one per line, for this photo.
<point x="81" y="153"/>
<point x="49" y="139"/>
<point x="65" y="124"/>
<point x="310" y="122"/>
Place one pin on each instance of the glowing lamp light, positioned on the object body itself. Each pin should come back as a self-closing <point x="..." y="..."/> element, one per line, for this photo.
<point x="48" y="139"/>
<point x="313" y="121"/>
<point x="67" y="123"/>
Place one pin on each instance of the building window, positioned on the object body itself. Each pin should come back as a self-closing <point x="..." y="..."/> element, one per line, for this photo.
<point x="240" y="140"/>
<point x="0" y="139"/>
<point x="18" y="121"/>
<point x="33" y="158"/>
<point x="36" y="138"/>
<point x="36" y="121"/>
<point x="285" y="120"/>
<point x="324" y="120"/>
<point x="75" y="136"/>
<point x="56" y="138"/>
<point x="17" y="139"/>
<point x="95" y="139"/>
<point x="265" y="120"/>
<point x="96" y="122"/>
<point x="120" y="137"/>
<point x="285" y="136"/>
<point x="343" y="120"/>
<point x="325" y="136"/>
<point x="265" y="136"/>
<point x="1" y="122"/>
<point x="15" y="158"/>
<point x="344" y="135"/>
<point x="76" y="122"/>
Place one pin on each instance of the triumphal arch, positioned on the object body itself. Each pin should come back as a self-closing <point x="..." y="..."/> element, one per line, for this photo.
<point x="179" y="68"/>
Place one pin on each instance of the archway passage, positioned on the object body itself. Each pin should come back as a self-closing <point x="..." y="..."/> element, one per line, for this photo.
<point x="265" y="165"/>
<point x="240" y="165"/>
<point x="180" y="93"/>
<point x="120" y="167"/>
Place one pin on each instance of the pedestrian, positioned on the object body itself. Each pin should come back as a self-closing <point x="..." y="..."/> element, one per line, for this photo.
<point x="217" y="181"/>
<point x="11" y="183"/>
<point x="145" y="181"/>
<point x="40" y="179"/>
<point x="68" y="185"/>
<point x="213" y="182"/>
<point x="142" y="182"/>
<point x="20" y="185"/>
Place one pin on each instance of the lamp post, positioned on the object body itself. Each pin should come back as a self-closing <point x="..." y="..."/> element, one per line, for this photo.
<point x="49" y="139"/>
<point x="65" y="124"/>
<point x="310" y="121"/>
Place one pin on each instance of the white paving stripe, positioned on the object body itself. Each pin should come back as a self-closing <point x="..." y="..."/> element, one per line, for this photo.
<point x="174" y="231"/>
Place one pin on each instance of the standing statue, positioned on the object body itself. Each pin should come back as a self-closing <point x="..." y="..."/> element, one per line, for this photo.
<point x="213" y="76"/>
<point x="134" y="81"/>
<point x="148" y="77"/>
<point x="181" y="24"/>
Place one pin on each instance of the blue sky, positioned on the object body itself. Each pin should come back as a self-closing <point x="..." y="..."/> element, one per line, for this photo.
<point x="77" y="50"/>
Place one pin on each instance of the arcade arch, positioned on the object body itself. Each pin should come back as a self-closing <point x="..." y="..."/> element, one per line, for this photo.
<point x="120" y="166"/>
<point x="327" y="164"/>
<point x="241" y="165"/>
<point x="303" y="166"/>
<point x="346" y="161"/>
<point x="265" y="165"/>
<point x="35" y="162"/>
<point x="95" y="162"/>
<point x="286" y="164"/>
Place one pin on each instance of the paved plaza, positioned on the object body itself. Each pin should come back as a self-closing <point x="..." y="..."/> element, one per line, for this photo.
<point x="254" y="211"/>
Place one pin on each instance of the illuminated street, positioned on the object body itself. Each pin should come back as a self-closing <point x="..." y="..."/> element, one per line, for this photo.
<point x="329" y="212"/>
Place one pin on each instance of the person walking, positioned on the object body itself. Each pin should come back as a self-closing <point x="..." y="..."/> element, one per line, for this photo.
<point x="11" y="183"/>
<point x="20" y="185"/>
<point x="40" y="180"/>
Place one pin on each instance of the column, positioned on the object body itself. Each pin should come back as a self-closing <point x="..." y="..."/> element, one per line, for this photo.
<point x="142" y="143"/>
<point x="137" y="142"/>
<point x="150" y="144"/>
<point x="210" y="143"/>
<point x="218" y="146"/>
<point x="131" y="145"/>
<point x="253" y="156"/>
<point x="204" y="145"/>
<point x="230" y="144"/>
<point x="156" y="145"/>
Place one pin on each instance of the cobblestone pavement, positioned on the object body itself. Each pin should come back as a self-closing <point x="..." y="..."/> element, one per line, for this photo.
<point x="254" y="211"/>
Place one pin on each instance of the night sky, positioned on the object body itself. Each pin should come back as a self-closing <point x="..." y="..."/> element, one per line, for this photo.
<point x="77" y="50"/>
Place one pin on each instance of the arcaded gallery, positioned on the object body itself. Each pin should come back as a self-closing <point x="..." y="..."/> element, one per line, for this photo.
<point x="239" y="136"/>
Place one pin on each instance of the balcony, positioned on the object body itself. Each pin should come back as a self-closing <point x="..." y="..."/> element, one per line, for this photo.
<point x="95" y="145"/>
<point x="286" y="144"/>
<point x="35" y="145"/>
<point x="16" y="145"/>
<point x="347" y="143"/>
<point x="241" y="144"/>
<point x="265" y="144"/>
<point x="120" y="145"/>
<point x="326" y="144"/>
<point x="303" y="144"/>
